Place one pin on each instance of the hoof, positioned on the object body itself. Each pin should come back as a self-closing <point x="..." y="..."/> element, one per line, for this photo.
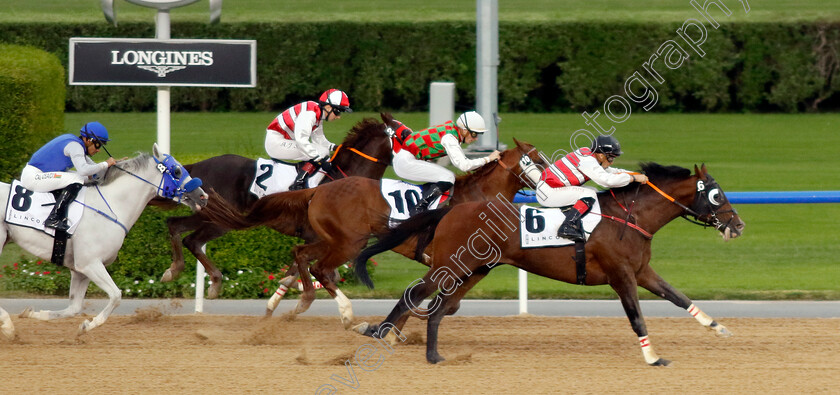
<point x="720" y="330"/>
<point x="303" y="305"/>
<point x="434" y="358"/>
<point x="167" y="276"/>
<point x="661" y="362"/>
<point x="214" y="290"/>
<point x="363" y="329"/>
<point x="347" y="321"/>
<point x="26" y="313"/>
<point x="269" y="313"/>
<point x="8" y="332"/>
<point x="83" y="328"/>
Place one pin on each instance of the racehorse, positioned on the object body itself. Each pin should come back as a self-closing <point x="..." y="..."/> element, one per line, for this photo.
<point x="366" y="151"/>
<point x="111" y="208"/>
<point x="343" y="215"/>
<point x="473" y="238"/>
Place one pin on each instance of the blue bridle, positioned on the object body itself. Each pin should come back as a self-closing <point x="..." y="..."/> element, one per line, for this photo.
<point x="174" y="175"/>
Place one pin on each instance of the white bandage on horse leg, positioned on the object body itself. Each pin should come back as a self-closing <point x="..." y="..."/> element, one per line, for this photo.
<point x="647" y="350"/>
<point x="699" y="315"/>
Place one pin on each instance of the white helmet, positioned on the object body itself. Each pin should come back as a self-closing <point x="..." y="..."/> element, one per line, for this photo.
<point x="472" y="122"/>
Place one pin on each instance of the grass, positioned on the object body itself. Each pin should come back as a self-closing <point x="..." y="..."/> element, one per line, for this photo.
<point x="530" y="11"/>
<point x="787" y="252"/>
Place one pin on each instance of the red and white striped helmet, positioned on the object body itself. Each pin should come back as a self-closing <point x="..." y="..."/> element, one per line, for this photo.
<point x="335" y="98"/>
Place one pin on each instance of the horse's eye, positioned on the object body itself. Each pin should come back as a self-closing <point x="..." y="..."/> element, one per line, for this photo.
<point x="176" y="172"/>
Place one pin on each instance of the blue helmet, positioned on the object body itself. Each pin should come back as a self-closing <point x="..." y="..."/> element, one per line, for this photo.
<point x="95" y="131"/>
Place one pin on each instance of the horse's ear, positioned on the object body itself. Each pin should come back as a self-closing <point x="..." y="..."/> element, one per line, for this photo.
<point x="703" y="168"/>
<point x="698" y="172"/>
<point x="386" y="117"/>
<point x="156" y="151"/>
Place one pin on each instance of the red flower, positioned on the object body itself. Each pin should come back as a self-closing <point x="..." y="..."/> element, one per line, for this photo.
<point x="58" y="272"/>
<point x="15" y="264"/>
<point x="37" y="273"/>
<point x="38" y="263"/>
<point x="1" y="275"/>
<point x="46" y="272"/>
<point x="271" y="277"/>
<point x="265" y="290"/>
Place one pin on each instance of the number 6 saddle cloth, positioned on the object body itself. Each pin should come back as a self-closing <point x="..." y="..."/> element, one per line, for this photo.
<point x="31" y="209"/>
<point x="539" y="225"/>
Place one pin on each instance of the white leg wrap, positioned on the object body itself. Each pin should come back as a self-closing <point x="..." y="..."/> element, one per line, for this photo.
<point x="345" y="308"/>
<point x="647" y="350"/>
<point x="275" y="299"/>
<point x="6" y="326"/>
<point x="699" y="315"/>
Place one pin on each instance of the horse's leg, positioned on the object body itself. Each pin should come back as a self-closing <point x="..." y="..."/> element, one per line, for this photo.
<point x="177" y="226"/>
<point x="650" y="280"/>
<point x="325" y="267"/>
<point x="285" y="283"/>
<point x="6" y="326"/>
<point x="624" y="284"/>
<point x="78" y="287"/>
<point x="194" y="242"/>
<point x="96" y="272"/>
<point x="448" y="303"/>
<point x="409" y="301"/>
<point x="308" y="294"/>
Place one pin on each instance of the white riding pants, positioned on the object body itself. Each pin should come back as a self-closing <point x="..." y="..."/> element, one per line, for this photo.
<point x="563" y="196"/>
<point x="413" y="169"/>
<point x="33" y="179"/>
<point x="278" y="147"/>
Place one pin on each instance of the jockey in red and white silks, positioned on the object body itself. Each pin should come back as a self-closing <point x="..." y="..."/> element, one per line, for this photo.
<point x="298" y="133"/>
<point x="561" y="183"/>
<point x="414" y="149"/>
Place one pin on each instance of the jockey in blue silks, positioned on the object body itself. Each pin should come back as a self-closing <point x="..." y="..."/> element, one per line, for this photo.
<point x="49" y="168"/>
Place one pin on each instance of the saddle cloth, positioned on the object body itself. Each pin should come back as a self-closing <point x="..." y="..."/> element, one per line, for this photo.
<point x="402" y="197"/>
<point x="540" y="226"/>
<point x="31" y="209"/>
<point x="273" y="176"/>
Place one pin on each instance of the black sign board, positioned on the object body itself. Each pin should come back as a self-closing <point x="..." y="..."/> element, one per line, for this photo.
<point x="176" y="62"/>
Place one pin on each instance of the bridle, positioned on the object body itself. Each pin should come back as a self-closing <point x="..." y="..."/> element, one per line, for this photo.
<point x="708" y="201"/>
<point x="357" y="152"/>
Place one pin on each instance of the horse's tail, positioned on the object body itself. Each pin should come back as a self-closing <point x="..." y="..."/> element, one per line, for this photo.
<point x="278" y="207"/>
<point x="422" y="225"/>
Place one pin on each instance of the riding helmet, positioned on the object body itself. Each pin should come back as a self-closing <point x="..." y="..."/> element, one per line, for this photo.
<point x="471" y="121"/>
<point x="335" y="98"/>
<point x="95" y="131"/>
<point x="607" y="145"/>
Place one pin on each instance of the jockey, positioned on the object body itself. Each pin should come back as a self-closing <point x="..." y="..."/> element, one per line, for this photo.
<point x="298" y="133"/>
<point x="48" y="169"/>
<point x="413" y="149"/>
<point x="560" y="184"/>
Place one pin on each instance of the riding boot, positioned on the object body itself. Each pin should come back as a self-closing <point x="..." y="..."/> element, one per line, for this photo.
<point x="306" y="170"/>
<point x="58" y="217"/>
<point x="572" y="227"/>
<point x="430" y="195"/>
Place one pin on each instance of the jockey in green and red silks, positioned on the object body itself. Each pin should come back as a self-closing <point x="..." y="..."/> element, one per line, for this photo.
<point x="413" y="150"/>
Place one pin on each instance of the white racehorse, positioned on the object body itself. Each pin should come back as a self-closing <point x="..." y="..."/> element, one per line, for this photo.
<point x="109" y="214"/>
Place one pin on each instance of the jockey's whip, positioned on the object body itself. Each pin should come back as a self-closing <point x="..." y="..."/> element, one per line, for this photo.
<point x="497" y="120"/>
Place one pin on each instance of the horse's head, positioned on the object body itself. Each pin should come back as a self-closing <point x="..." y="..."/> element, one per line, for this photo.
<point x="713" y="208"/>
<point x="523" y="160"/>
<point x="176" y="183"/>
<point x="366" y="151"/>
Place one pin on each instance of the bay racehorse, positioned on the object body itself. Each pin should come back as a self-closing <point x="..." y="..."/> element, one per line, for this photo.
<point x="366" y="152"/>
<point x="111" y="208"/>
<point x="471" y="239"/>
<point x="345" y="213"/>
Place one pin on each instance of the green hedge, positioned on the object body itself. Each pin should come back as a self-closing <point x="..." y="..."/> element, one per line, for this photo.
<point x="32" y="91"/>
<point x="543" y="66"/>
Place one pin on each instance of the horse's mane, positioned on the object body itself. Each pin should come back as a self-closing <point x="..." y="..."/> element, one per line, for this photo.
<point x="658" y="174"/>
<point x="477" y="174"/>
<point x="131" y="165"/>
<point x="362" y="132"/>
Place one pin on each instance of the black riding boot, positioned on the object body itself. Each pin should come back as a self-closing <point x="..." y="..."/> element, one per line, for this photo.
<point x="306" y="170"/>
<point x="58" y="217"/>
<point x="430" y="195"/>
<point x="572" y="227"/>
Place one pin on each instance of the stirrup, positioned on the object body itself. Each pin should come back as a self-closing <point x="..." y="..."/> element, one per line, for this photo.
<point x="571" y="232"/>
<point x="57" y="224"/>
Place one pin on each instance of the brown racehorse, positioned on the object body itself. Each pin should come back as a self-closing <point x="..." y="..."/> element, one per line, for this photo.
<point x="366" y="152"/>
<point x="472" y="238"/>
<point x="345" y="213"/>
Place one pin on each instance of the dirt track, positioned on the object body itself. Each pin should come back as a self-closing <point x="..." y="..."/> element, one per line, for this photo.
<point x="154" y="353"/>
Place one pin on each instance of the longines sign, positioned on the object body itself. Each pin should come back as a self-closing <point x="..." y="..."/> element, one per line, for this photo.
<point x="128" y="61"/>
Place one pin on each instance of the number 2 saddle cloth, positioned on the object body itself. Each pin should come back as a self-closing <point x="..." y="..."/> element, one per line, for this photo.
<point x="31" y="209"/>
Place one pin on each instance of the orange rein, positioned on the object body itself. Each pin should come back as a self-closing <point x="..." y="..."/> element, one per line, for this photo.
<point x="357" y="152"/>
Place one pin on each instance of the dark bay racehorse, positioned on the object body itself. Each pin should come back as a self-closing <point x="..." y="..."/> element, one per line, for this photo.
<point x="344" y="214"/>
<point x="366" y="152"/>
<point x="470" y="239"/>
